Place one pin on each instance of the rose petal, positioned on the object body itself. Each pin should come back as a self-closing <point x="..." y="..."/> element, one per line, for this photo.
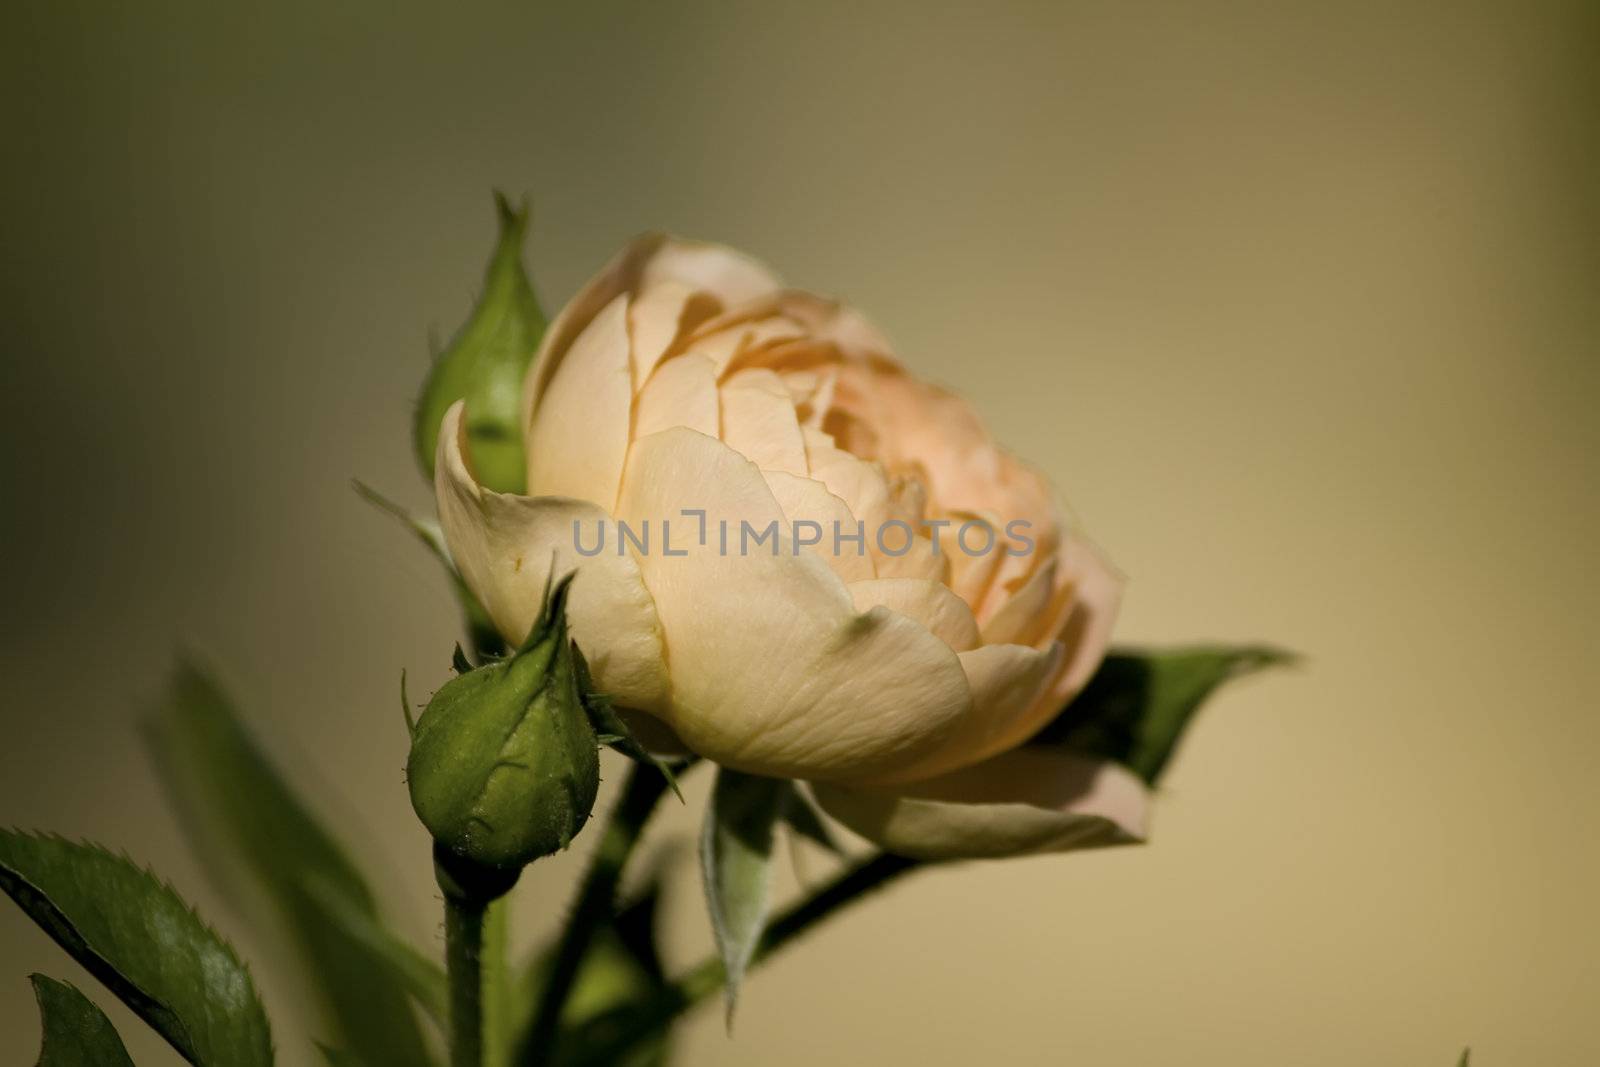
<point x="1027" y="800"/>
<point x="774" y="671"/>
<point x="681" y="392"/>
<point x="758" y="422"/>
<point x="726" y="276"/>
<point x="928" y="601"/>
<point x="806" y="500"/>
<point x="504" y="547"/>
<point x="579" y="439"/>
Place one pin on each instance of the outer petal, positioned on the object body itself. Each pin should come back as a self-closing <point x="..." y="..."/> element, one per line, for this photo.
<point x="1007" y="684"/>
<point x="1023" y="801"/>
<point x="577" y="445"/>
<point x="504" y="547"/>
<point x="774" y="671"/>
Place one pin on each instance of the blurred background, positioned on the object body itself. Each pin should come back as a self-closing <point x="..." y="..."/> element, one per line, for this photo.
<point x="1297" y="303"/>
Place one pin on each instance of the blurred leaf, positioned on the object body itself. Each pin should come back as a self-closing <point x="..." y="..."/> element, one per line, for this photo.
<point x="237" y="807"/>
<point x="736" y="866"/>
<point x="76" y="1032"/>
<point x="485" y="363"/>
<point x="1134" y="710"/>
<point x="136" y="935"/>
<point x="804" y="819"/>
<point x="485" y="639"/>
<point x="1466" y="1058"/>
<point x="420" y="976"/>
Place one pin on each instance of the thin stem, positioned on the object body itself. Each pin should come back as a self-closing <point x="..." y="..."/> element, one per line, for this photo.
<point x="463" y="942"/>
<point x="641" y="789"/>
<point x="708" y="976"/>
<point x="496" y="1005"/>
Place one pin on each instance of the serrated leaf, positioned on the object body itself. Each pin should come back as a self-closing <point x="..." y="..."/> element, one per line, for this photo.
<point x="736" y="866"/>
<point x="76" y="1032"/>
<point x="132" y="932"/>
<point x="245" y="819"/>
<point x="1134" y="710"/>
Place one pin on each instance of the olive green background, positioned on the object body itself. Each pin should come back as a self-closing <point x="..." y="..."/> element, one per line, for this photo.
<point x="1298" y="303"/>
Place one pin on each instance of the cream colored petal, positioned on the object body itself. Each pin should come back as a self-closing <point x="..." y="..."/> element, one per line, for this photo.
<point x="681" y="392"/>
<point x="972" y="545"/>
<point x="579" y="440"/>
<point x="758" y="422"/>
<point x="656" y="318"/>
<point x="726" y="276"/>
<point x="1007" y="683"/>
<point x="1087" y="631"/>
<point x="724" y="347"/>
<point x="774" y="672"/>
<point x="1019" y="611"/>
<point x="929" y="602"/>
<point x="504" y="547"/>
<point x="806" y="501"/>
<point x="1027" y="800"/>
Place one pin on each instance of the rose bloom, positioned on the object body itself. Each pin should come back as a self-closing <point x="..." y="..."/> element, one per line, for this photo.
<point x="900" y="677"/>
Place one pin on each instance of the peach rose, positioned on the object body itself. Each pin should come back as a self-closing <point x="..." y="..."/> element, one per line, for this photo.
<point x="685" y="396"/>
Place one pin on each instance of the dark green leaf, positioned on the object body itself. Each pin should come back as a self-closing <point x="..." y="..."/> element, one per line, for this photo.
<point x="76" y="1032"/>
<point x="736" y="866"/>
<point x="244" y="818"/>
<point x="1134" y="710"/>
<point x="804" y="819"/>
<point x="137" y="936"/>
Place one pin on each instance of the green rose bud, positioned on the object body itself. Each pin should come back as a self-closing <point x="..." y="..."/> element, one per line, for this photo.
<point x="485" y="364"/>
<point x="504" y="761"/>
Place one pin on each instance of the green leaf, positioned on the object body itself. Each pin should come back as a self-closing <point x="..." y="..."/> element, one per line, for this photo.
<point x="736" y="866"/>
<point x="803" y="818"/>
<point x="132" y="932"/>
<point x="609" y="727"/>
<point x="1466" y="1058"/>
<point x="620" y="974"/>
<point x="1134" y="710"/>
<point x="76" y="1032"/>
<point x="485" y="638"/>
<point x="245" y="819"/>
<point x="418" y="975"/>
<point x="485" y="363"/>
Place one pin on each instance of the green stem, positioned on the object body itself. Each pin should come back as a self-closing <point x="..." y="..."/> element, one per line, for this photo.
<point x="641" y="789"/>
<point x="496" y="1008"/>
<point x="708" y="976"/>
<point x="463" y="944"/>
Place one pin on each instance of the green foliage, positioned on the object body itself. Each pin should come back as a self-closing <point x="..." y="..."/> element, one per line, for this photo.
<point x="76" y="1032"/>
<point x="1136" y="707"/>
<point x="504" y="766"/>
<point x="481" y="628"/>
<point x="485" y="363"/>
<point x="243" y="817"/>
<point x="136" y="935"/>
<point x="736" y="866"/>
